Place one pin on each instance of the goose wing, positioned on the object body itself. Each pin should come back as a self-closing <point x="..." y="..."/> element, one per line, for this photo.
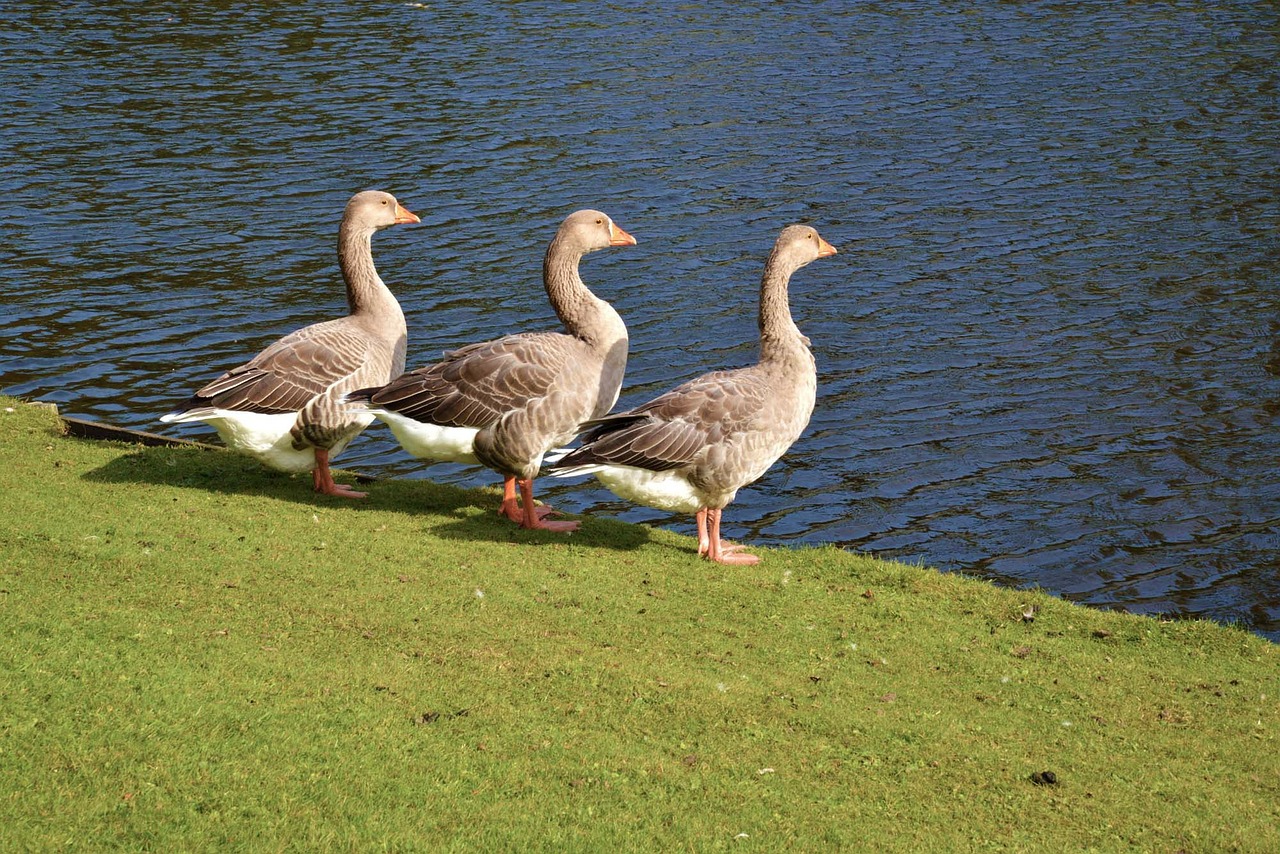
<point x="291" y="372"/>
<point x="477" y="384"/>
<point x="677" y="428"/>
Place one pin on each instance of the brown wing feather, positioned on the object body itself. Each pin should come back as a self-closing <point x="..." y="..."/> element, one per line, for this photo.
<point x="290" y="373"/>
<point x="475" y="385"/>
<point x="676" y="428"/>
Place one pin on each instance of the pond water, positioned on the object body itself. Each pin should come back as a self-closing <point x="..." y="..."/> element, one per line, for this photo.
<point x="1049" y="349"/>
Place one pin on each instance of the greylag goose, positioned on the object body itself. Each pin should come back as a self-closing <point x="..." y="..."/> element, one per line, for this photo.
<point x="505" y="403"/>
<point x="690" y="450"/>
<point x="284" y="406"/>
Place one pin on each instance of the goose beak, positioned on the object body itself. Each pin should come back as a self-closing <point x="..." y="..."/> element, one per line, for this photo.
<point x="618" y="237"/>
<point x="404" y="215"/>
<point x="825" y="248"/>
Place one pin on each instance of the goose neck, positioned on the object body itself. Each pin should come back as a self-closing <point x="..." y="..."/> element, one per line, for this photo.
<point x="779" y="334"/>
<point x="366" y="292"/>
<point x="569" y="296"/>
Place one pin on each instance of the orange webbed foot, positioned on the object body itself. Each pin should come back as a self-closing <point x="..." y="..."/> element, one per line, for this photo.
<point x="728" y="554"/>
<point x="342" y="490"/>
<point x="540" y="524"/>
<point x="323" y="482"/>
<point x="535" y="517"/>
<point x="723" y="551"/>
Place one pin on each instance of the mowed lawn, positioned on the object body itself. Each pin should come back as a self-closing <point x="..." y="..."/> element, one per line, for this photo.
<point x="198" y="654"/>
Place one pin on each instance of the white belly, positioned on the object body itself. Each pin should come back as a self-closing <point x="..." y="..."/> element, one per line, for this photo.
<point x="431" y="441"/>
<point x="265" y="436"/>
<point x="664" y="490"/>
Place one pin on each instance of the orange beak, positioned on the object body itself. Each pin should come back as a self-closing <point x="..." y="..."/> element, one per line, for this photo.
<point x="618" y="237"/>
<point x="825" y="248"/>
<point x="403" y="214"/>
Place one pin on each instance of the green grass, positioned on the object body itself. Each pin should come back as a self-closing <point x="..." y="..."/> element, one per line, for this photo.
<point x="198" y="654"/>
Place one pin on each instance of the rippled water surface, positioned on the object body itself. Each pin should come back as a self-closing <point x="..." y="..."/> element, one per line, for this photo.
<point x="1049" y="348"/>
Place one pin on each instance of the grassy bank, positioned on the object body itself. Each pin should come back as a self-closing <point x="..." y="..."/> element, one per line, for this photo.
<point x="196" y="653"/>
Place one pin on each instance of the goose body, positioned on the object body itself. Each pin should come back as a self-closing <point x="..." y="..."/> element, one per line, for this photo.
<point x="691" y="449"/>
<point x="504" y="403"/>
<point x="699" y="443"/>
<point x="284" y="407"/>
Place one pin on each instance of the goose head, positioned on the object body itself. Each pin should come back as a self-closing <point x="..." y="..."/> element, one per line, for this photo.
<point x="589" y="230"/>
<point x="374" y="209"/>
<point x="797" y="245"/>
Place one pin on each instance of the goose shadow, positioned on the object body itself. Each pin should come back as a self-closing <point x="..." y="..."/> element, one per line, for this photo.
<point x="468" y="513"/>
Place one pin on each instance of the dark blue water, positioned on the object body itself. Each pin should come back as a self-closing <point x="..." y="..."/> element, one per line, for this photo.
<point x="1049" y="349"/>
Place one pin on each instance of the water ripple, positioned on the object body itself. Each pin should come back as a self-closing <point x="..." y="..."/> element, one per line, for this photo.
<point x="1048" y="347"/>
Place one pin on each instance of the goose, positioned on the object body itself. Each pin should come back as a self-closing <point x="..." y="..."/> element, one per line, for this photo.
<point x="283" y="406"/>
<point x="691" y="449"/>
<point x="504" y="403"/>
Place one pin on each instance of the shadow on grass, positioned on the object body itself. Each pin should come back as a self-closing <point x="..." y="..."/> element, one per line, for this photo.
<point x="594" y="533"/>
<point x="463" y="514"/>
